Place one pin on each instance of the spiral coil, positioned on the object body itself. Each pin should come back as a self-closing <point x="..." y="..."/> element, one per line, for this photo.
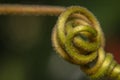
<point x="78" y="38"/>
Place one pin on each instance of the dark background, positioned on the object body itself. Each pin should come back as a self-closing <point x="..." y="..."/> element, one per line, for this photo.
<point x="25" y="41"/>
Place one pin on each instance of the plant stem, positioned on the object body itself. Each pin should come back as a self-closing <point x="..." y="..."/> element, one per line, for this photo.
<point x="16" y="9"/>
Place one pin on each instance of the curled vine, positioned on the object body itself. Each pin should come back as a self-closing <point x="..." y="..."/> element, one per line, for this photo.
<point x="77" y="37"/>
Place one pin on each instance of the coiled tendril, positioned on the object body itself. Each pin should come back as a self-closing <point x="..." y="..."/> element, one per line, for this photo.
<point x="78" y="38"/>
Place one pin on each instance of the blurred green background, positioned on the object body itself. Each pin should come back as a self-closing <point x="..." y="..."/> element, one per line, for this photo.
<point x="26" y="52"/>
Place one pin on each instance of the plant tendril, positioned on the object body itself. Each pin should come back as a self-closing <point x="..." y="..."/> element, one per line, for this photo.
<point x="77" y="37"/>
<point x="80" y="41"/>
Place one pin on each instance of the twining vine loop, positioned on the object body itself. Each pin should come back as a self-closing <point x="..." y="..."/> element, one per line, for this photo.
<point x="73" y="37"/>
<point x="78" y="38"/>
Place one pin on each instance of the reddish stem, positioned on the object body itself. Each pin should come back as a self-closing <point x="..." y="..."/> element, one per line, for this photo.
<point x="30" y="9"/>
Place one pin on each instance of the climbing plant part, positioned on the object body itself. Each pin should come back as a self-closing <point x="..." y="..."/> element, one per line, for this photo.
<point x="78" y="38"/>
